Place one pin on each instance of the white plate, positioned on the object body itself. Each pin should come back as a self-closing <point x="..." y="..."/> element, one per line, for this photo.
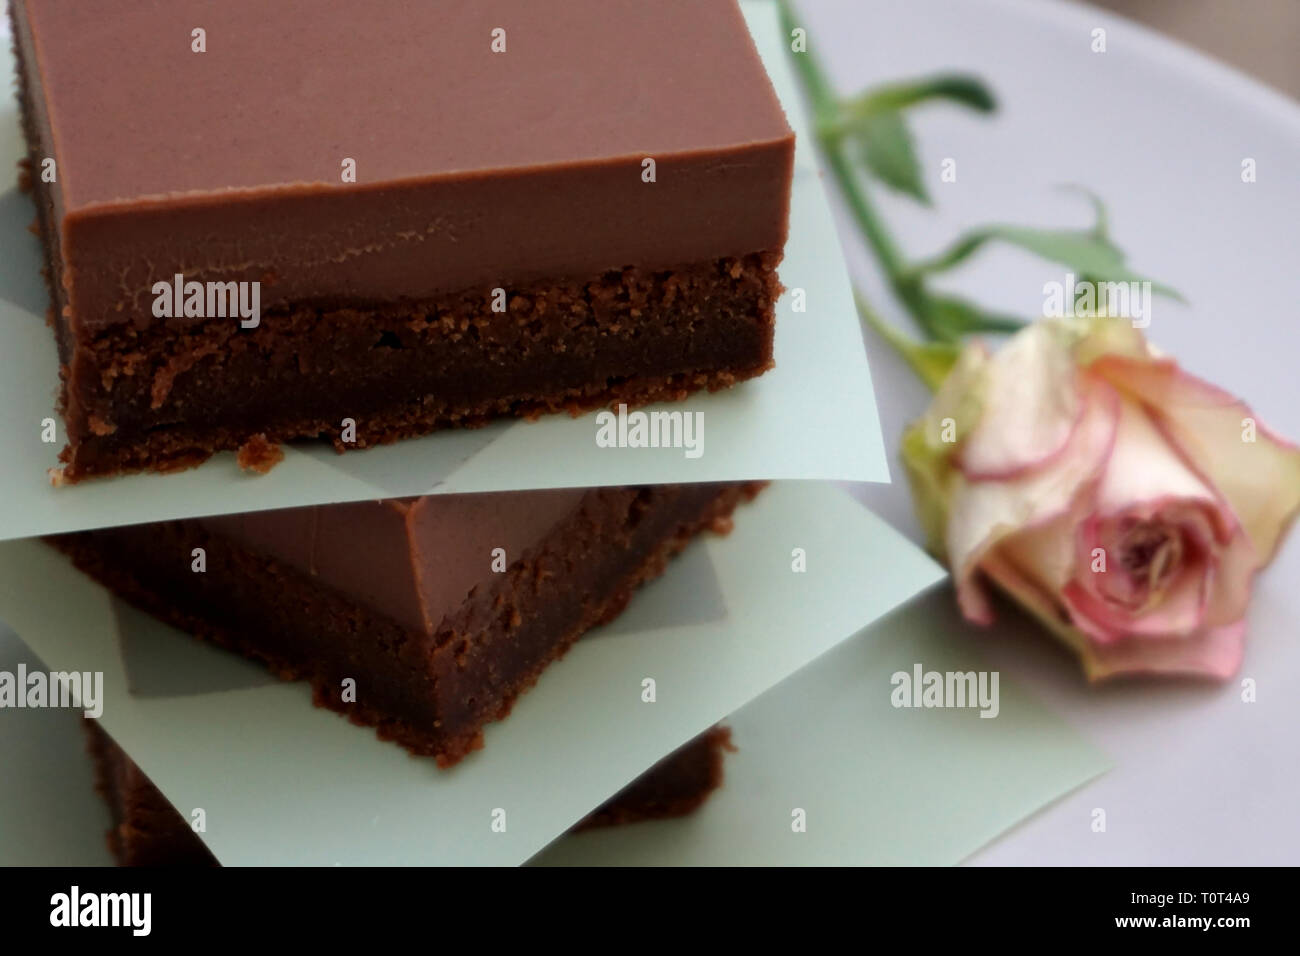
<point x="1202" y="778"/>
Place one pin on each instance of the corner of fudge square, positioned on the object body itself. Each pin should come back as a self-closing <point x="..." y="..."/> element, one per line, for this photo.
<point x="298" y="222"/>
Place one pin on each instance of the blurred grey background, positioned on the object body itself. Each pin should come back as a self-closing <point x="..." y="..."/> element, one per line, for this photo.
<point x="1259" y="37"/>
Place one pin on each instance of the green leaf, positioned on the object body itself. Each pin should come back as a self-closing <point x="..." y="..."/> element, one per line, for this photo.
<point x="1090" y="253"/>
<point x="931" y="361"/>
<point x="889" y="153"/>
<point x="964" y="90"/>
<point x="1084" y="251"/>
<point x="954" y="317"/>
<point x="1100" y="218"/>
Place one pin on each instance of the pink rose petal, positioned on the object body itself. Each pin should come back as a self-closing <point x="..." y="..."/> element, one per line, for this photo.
<point x="984" y="513"/>
<point x="1180" y="613"/>
<point x="1145" y="469"/>
<point x="1214" y="652"/>
<point x="1259" y="479"/>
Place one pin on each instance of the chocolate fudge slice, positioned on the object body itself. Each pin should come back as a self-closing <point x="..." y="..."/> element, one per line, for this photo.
<point x="292" y="220"/>
<point x="422" y="617"/>
<point x="676" y="786"/>
<point x="148" y="831"/>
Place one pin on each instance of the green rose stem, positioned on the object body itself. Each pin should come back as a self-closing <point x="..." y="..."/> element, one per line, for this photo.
<point x="931" y="361"/>
<point x="871" y="127"/>
<point x="834" y="122"/>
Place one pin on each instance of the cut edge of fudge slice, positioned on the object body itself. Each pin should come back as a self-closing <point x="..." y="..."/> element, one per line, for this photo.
<point x="429" y="670"/>
<point x="147" y="830"/>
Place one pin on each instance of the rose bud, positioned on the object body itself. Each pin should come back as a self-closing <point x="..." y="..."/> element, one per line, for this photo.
<point x="1122" y="501"/>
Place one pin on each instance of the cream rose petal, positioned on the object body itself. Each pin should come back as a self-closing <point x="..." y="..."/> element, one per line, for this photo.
<point x="1046" y="552"/>
<point x="927" y="456"/>
<point x="983" y="513"/>
<point x="1230" y="581"/>
<point x="1260" y="479"/>
<point x="1213" y="652"/>
<point x="1049" y="552"/>
<point x="1145" y="469"/>
<point x="1031" y="406"/>
<point x="1030" y="594"/>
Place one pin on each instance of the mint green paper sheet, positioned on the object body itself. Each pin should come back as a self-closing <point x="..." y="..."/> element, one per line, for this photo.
<point x="879" y="785"/>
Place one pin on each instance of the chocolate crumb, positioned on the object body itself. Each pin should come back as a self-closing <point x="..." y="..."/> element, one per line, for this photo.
<point x="259" y="455"/>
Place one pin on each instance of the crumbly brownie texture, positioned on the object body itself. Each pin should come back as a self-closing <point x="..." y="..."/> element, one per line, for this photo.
<point x="148" y="831"/>
<point x="431" y="690"/>
<point x="377" y="297"/>
<point x="166" y="397"/>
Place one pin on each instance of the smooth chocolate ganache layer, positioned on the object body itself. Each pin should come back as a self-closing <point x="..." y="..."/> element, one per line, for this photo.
<point x="450" y="212"/>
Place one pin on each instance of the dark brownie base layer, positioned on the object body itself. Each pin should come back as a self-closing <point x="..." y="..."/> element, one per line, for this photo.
<point x="432" y="694"/>
<point x="148" y="831"/>
<point x="168" y="396"/>
<point x="161" y="395"/>
<point x="674" y="787"/>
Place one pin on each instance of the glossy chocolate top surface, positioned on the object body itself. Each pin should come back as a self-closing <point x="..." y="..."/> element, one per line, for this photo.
<point x="470" y="165"/>
<point x="415" y="560"/>
<point x="287" y="89"/>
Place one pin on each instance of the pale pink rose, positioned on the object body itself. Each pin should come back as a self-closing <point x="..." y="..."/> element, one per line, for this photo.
<point x="1124" y="502"/>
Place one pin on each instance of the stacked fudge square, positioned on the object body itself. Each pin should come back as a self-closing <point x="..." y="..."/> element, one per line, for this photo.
<point x="272" y="223"/>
